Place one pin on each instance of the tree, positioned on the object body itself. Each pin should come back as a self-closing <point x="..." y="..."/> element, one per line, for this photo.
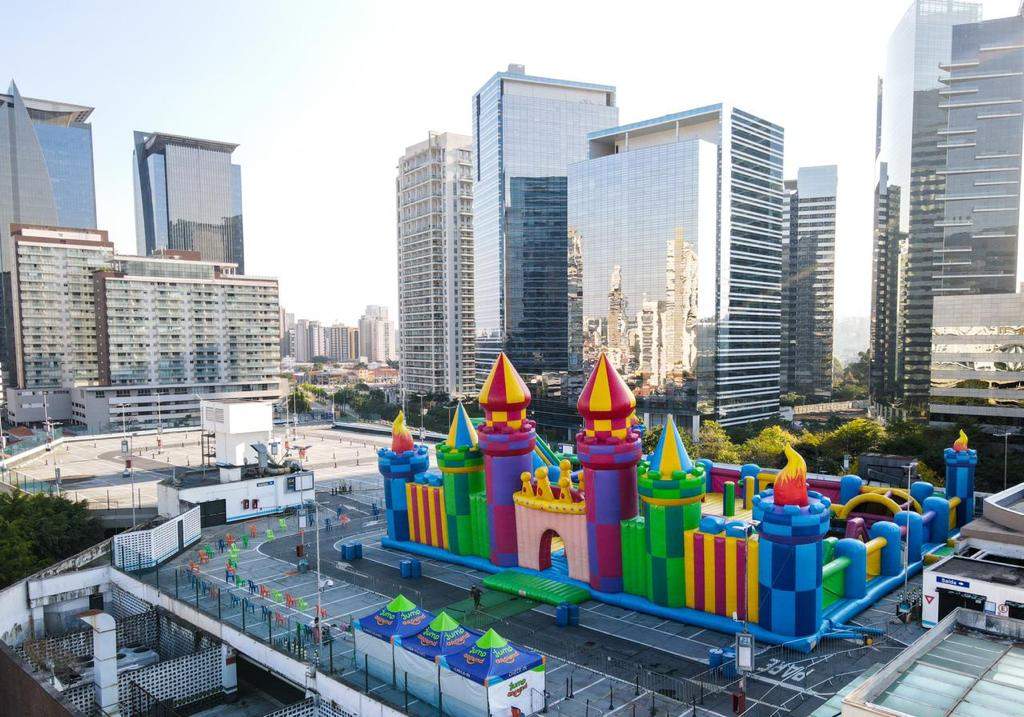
<point x="651" y="437"/>
<point x="765" y="449"/>
<point x="298" y="401"/>
<point x="38" y="530"/>
<point x="714" y="443"/>
<point x="860" y="435"/>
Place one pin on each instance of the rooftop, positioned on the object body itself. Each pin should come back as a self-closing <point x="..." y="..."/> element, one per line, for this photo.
<point x="156" y="141"/>
<point x="518" y="73"/>
<point x="657" y="123"/>
<point x="969" y="664"/>
<point x="51" y="111"/>
<point x="986" y="570"/>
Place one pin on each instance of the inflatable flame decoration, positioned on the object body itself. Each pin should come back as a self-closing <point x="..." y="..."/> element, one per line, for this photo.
<point x="401" y="439"/>
<point x="791" y="483"/>
<point x="960" y="444"/>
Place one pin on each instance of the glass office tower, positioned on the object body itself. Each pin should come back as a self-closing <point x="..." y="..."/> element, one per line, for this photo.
<point x="978" y="316"/>
<point x="46" y="177"/>
<point x="982" y="139"/>
<point x="675" y="232"/>
<point x="808" y="282"/>
<point x="909" y="120"/>
<point x="527" y="127"/>
<point x="188" y="197"/>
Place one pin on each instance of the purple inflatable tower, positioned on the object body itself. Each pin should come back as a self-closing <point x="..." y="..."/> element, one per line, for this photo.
<point x="507" y="440"/>
<point x="609" y="450"/>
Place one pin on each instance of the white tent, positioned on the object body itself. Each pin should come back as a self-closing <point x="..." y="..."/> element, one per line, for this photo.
<point x="491" y="678"/>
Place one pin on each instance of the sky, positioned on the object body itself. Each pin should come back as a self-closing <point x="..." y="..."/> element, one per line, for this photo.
<point x="324" y="97"/>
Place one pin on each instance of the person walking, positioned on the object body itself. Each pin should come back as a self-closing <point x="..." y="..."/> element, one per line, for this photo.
<point x="476" y="594"/>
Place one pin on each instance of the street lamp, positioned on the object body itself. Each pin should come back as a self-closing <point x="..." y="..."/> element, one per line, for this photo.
<point x="1005" y="435"/>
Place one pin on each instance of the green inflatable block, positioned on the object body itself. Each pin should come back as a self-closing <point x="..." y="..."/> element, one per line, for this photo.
<point x="536" y="588"/>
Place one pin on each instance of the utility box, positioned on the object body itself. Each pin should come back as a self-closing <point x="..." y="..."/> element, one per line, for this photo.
<point x="236" y="425"/>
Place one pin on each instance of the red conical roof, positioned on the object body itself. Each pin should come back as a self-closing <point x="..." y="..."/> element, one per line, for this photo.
<point x="606" y="402"/>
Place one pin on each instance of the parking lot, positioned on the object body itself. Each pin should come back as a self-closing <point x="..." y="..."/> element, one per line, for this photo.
<point x="94" y="470"/>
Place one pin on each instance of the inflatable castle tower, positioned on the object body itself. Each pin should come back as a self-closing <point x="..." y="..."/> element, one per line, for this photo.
<point x="793" y="524"/>
<point x="507" y="440"/>
<point x="609" y="450"/>
<point x="462" y="466"/>
<point x="400" y="465"/>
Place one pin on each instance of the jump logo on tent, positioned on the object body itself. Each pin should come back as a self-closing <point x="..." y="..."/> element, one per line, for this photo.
<point x="381" y="620"/>
<point x="517" y="688"/>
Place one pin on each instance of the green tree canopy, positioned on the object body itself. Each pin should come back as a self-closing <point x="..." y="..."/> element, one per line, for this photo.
<point x="38" y="530"/>
<point x="714" y="443"/>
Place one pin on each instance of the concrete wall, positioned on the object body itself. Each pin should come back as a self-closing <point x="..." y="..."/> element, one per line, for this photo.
<point x="21" y="694"/>
<point x="293" y="671"/>
<point x="271" y="492"/>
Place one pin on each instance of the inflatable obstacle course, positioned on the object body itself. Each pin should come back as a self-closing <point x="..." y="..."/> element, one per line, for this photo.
<point x="663" y="534"/>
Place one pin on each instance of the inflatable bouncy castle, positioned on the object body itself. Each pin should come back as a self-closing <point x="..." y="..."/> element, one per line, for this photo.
<point x="788" y="555"/>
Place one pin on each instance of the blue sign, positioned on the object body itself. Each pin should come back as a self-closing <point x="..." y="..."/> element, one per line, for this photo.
<point x="952" y="581"/>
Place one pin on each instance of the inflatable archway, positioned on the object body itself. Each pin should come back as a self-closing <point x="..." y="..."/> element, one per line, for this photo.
<point x="842" y="511"/>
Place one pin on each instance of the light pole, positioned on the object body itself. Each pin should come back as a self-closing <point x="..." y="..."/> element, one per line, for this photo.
<point x="422" y="429"/>
<point x="1005" y="435"/>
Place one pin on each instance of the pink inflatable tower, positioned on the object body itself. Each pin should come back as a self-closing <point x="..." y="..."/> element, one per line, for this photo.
<point x="507" y="440"/>
<point x="609" y="450"/>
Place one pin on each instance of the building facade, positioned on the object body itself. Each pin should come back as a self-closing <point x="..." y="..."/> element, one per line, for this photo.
<point x="808" y="282"/>
<point x="342" y="342"/>
<point x="188" y="197"/>
<point x="983" y="135"/>
<point x="885" y="347"/>
<point x="88" y="320"/>
<point x="46" y="178"/>
<point x="978" y="325"/>
<point x="434" y="192"/>
<point x="675" y="232"/>
<point x="376" y="335"/>
<point x="527" y="127"/>
<point x="909" y="160"/>
<point x="977" y="358"/>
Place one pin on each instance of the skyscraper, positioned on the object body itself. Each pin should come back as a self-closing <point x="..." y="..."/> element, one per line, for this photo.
<point x="376" y="335"/>
<point x="887" y="276"/>
<point x="983" y="93"/>
<point x="188" y="197"/>
<point x="675" y="226"/>
<point x="527" y="127"/>
<point x="808" y="282"/>
<point x="978" y="311"/>
<point x="909" y="160"/>
<point x="46" y="177"/>
<point x="435" y="266"/>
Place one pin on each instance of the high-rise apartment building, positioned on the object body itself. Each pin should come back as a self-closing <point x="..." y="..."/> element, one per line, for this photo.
<point x="808" y="282"/>
<point x="909" y="161"/>
<point x="527" y="128"/>
<point x="978" y="325"/>
<point x="675" y="232"/>
<point x="107" y="340"/>
<point x="434" y="192"/>
<point x="287" y="325"/>
<point x="46" y="178"/>
<point x="188" y="197"/>
<point x="376" y="335"/>
<point x="342" y="342"/>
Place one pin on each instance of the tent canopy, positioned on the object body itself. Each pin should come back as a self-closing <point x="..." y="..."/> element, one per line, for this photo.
<point x="491" y="659"/>
<point x="399" y="618"/>
<point x="443" y="636"/>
